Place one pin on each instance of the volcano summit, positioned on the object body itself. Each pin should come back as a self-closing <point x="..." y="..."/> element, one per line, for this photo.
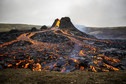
<point x="61" y="48"/>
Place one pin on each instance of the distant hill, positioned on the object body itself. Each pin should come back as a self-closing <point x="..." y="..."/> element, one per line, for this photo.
<point x="8" y="27"/>
<point x="105" y="32"/>
<point x="108" y="32"/>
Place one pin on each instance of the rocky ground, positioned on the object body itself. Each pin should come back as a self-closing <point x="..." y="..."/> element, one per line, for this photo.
<point x="26" y="76"/>
<point x="46" y="36"/>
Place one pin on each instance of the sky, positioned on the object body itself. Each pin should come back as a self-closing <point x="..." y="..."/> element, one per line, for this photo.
<point x="93" y="13"/>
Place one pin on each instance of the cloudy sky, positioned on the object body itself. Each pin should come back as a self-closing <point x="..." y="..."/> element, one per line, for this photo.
<point x="83" y="12"/>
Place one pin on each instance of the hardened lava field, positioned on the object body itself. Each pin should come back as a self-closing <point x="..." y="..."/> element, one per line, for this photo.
<point x="64" y="49"/>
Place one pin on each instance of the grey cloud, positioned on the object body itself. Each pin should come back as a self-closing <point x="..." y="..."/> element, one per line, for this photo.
<point x="33" y="11"/>
<point x="84" y="12"/>
<point x="100" y="13"/>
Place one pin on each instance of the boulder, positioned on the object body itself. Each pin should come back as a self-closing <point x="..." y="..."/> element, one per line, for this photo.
<point x="43" y="27"/>
<point x="13" y="31"/>
<point x="33" y="29"/>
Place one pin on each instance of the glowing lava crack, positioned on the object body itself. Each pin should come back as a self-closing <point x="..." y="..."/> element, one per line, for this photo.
<point x="56" y="49"/>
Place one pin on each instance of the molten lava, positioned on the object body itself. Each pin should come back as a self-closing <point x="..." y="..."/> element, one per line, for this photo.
<point x="58" y="23"/>
<point x="36" y="67"/>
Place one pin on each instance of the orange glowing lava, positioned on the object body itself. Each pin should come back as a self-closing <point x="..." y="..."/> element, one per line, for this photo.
<point x="36" y="67"/>
<point x="58" y="23"/>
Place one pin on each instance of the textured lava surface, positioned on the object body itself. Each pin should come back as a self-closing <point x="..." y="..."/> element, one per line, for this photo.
<point x="63" y="50"/>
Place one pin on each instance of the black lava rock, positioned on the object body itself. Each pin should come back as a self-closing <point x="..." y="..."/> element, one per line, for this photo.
<point x="43" y="27"/>
<point x="33" y="29"/>
<point x="65" y="22"/>
<point x="47" y="37"/>
<point x="13" y="31"/>
<point x="19" y="43"/>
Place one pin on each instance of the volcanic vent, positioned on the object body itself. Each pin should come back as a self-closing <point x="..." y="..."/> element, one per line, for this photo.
<point x="64" y="23"/>
<point x="61" y="48"/>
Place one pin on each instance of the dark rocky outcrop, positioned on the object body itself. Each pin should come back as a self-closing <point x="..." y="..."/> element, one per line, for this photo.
<point x="65" y="22"/>
<point x="33" y="29"/>
<point x="13" y="31"/>
<point x="43" y="27"/>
